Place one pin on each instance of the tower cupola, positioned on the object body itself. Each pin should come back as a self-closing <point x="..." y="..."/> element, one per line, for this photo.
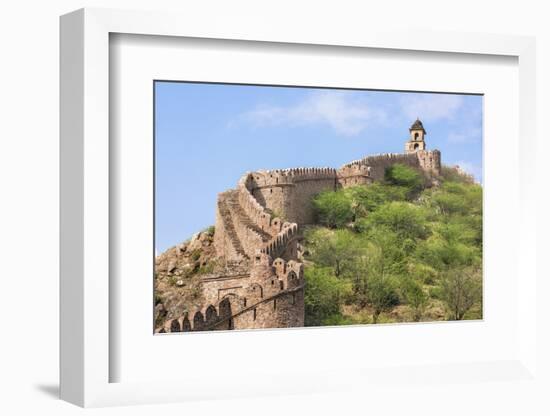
<point x="416" y="140"/>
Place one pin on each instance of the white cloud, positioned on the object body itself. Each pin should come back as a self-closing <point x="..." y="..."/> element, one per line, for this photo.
<point x="430" y="107"/>
<point x="346" y="113"/>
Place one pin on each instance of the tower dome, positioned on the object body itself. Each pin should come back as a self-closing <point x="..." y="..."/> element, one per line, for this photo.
<point x="416" y="140"/>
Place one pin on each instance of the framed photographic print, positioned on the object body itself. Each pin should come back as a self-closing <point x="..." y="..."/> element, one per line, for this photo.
<point x="387" y="237"/>
<point x="287" y="211"/>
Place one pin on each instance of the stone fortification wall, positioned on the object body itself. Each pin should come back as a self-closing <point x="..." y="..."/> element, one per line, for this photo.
<point x="284" y="244"/>
<point x="353" y="175"/>
<point x="272" y="296"/>
<point x="427" y="160"/>
<point x="430" y="161"/>
<point x="287" y="193"/>
<point x="379" y="163"/>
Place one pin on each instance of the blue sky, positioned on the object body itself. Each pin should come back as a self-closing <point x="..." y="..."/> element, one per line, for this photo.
<point x="208" y="135"/>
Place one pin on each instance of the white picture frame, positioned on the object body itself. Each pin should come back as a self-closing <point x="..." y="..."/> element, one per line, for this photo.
<point x="86" y="355"/>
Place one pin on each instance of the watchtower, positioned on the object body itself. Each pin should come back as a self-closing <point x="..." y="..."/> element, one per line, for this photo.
<point x="416" y="140"/>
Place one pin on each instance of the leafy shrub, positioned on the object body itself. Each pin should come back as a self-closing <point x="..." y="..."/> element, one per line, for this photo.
<point x="209" y="230"/>
<point x="422" y="272"/>
<point x="196" y="254"/>
<point x="416" y="297"/>
<point x="335" y="249"/>
<point x="405" y="176"/>
<point x="443" y="255"/>
<point x="381" y="294"/>
<point x="365" y="199"/>
<point x="450" y="174"/>
<point x="324" y="295"/>
<point x="405" y="219"/>
<point x="333" y="209"/>
<point x="338" y="319"/>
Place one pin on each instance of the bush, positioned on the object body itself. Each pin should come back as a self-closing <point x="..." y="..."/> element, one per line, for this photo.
<point x="405" y="219"/>
<point x="460" y="290"/>
<point x="450" y="174"/>
<point x="458" y="198"/>
<point x="209" y="230"/>
<point x="422" y="273"/>
<point x="333" y="209"/>
<point x="381" y="294"/>
<point x="416" y="298"/>
<point x="365" y="199"/>
<point x="324" y="295"/>
<point x="402" y="175"/>
<point x="335" y="249"/>
<point x="443" y="255"/>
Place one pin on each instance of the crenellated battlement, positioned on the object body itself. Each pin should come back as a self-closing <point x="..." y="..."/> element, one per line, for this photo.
<point x="427" y="160"/>
<point x="354" y="174"/>
<point x="288" y="177"/>
<point x="279" y="246"/>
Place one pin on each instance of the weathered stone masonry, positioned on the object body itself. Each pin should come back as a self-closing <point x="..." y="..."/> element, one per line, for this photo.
<point x="263" y="285"/>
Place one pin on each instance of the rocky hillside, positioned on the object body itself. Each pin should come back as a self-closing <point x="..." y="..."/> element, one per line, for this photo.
<point x="177" y="275"/>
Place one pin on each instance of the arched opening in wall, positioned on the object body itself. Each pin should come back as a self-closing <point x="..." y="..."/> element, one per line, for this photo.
<point x="254" y="314"/>
<point x="186" y="325"/>
<point x="211" y="314"/>
<point x="281" y="285"/>
<point x="257" y="291"/>
<point x="198" y="321"/>
<point x="175" y="326"/>
<point x="416" y="136"/>
<point x="416" y="145"/>
<point x="230" y="324"/>
<point x="225" y="308"/>
<point x="274" y="304"/>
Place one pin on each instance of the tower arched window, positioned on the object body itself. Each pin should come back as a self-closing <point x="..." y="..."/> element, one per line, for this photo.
<point x="416" y="136"/>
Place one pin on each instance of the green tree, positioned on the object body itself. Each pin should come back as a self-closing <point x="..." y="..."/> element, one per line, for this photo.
<point x="382" y="294"/>
<point x="365" y="199"/>
<point x="460" y="290"/>
<point x="405" y="176"/>
<point x="336" y="249"/>
<point x="324" y="295"/>
<point x="378" y="287"/>
<point x="458" y="198"/>
<point x="405" y="219"/>
<point x="358" y="273"/>
<point x="415" y="297"/>
<point x="444" y="255"/>
<point x="333" y="209"/>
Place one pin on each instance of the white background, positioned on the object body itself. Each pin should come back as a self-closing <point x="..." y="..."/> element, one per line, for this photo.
<point x="29" y="209"/>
